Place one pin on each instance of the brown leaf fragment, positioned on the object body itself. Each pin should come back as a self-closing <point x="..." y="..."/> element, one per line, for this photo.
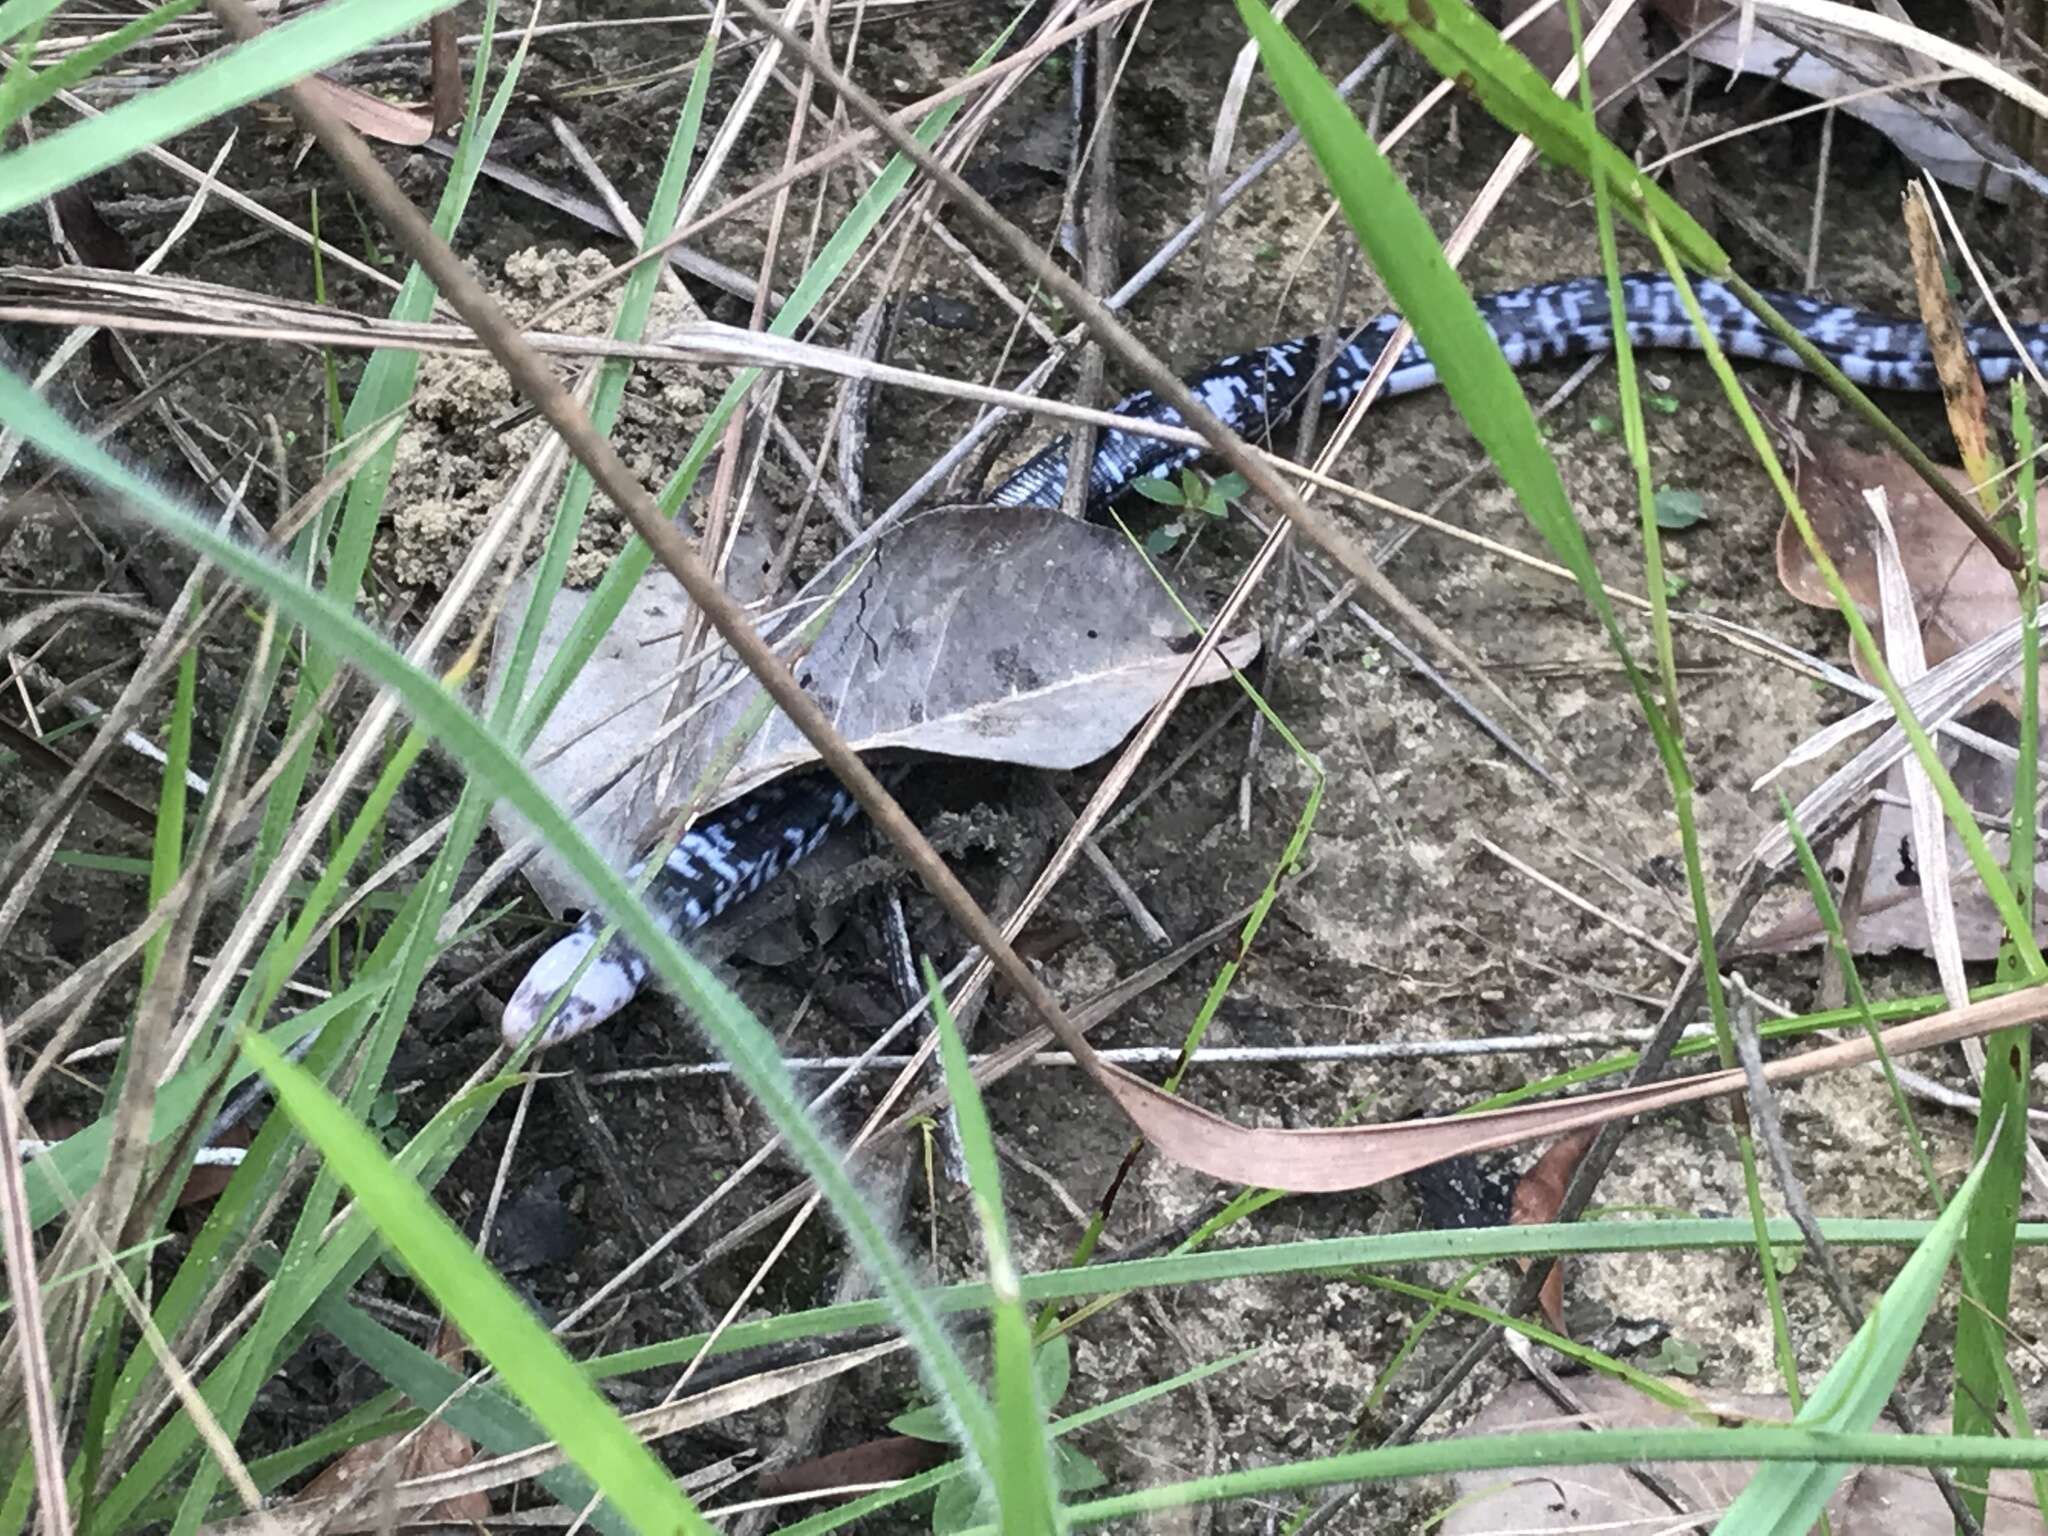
<point x="372" y="116"/>
<point x="434" y="1447"/>
<point x="97" y="242"/>
<point x="1539" y="1195"/>
<point x="888" y="1460"/>
<point x="1887" y="912"/>
<point x="444" y="72"/>
<point x="1615" y="70"/>
<point x="1337" y="1158"/>
<point x="1960" y="591"/>
<point x="1872" y="1501"/>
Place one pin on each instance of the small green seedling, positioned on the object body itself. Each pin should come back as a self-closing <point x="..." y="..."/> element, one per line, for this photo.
<point x="1677" y="510"/>
<point x="1192" y="493"/>
<point x="959" y="1505"/>
<point x="1677" y="1357"/>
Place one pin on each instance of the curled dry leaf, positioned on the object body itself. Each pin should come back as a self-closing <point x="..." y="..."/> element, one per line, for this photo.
<point x="1960" y="590"/>
<point x="1009" y="635"/>
<point x="1871" y="83"/>
<point x="1539" y="1195"/>
<point x="1329" y="1160"/>
<point x="435" y="1447"/>
<point x="1872" y="1501"/>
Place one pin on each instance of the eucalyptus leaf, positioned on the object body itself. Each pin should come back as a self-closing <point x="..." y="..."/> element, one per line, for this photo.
<point x="1010" y="635"/>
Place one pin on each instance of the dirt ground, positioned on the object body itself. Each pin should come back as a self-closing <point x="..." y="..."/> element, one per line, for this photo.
<point x="1408" y="927"/>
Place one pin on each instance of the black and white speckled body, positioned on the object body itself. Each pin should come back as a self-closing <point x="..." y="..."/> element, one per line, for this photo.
<point x="725" y="858"/>
<point x="1258" y="392"/>
<point x="737" y="850"/>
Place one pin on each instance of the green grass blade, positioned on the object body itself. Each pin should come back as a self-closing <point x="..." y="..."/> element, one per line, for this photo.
<point x="300" y="1277"/>
<point x="386" y="389"/>
<point x="1981" y="1365"/>
<point x="496" y="1323"/>
<point x="259" y="67"/>
<point x="75" y="1163"/>
<point x="1014" y="1454"/>
<point x="1790" y="1496"/>
<point x="1859" y="1001"/>
<point x="1462" y="46"/>
<point x="1337" y="1256"/>
<point x="1584" y="1355"/>
<point x="1572" y="1448"/>
<point x="636" y="303"/>
<point x="910" y="1488"/>
<point x="617" y="585"/>
<point x="497" y="1423"/>
<point x="18" y="16"/>
<point x="1404" y="251"/>
<point x="732" y="1030"/>
<point x="167" y="847"/>
<point x="43" y="84"/>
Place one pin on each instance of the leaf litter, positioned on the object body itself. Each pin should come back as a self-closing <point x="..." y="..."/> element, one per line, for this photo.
<point x="1871" y="1500"/>
<point x="1963" y="598"/>
<point x="974" y="594"/>
<point x="1006" y="635"/>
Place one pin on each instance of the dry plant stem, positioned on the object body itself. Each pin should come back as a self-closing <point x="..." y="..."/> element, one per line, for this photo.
<point x="1957" y="501"/>
<point x="1098" y="167"/>
<point x="718" y="507"/>
<point x="30" y="1355"/>
<point x="1160" y="259"/>
<point x="1153" y="373"/>
<point x="689" y="229"/>
<point x="31" y="853"/>
<point x="10" y="439"/>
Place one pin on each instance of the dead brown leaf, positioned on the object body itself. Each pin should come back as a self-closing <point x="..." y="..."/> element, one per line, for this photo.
<point x="1333" y="1159"/>
<point x="373" y="116"/>
<point x="1615" y="69"/>
<point x="1539" y="1195"/>
<point x="876" y="1461"/>
<point x="435" y="1447"/>
<point x="1960" y="590"/>
<point x="1872" y="1501"/>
